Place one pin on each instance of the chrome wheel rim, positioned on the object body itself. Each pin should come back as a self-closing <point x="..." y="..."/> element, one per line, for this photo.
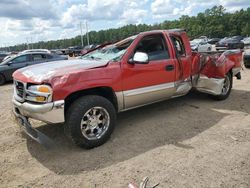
<point x="95" y="123"/>
<point x="226" y="86"/>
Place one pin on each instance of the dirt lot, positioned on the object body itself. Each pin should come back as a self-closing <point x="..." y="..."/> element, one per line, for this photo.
<point x="190" y="141"/>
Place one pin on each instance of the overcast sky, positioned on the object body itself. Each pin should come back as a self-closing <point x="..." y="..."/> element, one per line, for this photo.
<point x="37" y="20"/>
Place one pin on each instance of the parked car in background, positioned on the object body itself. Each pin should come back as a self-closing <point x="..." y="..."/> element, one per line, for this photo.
<point x="246" y="42"/>
<point x="200" y="45"/>
<point x="88" y="49"/>
<point x="73" y="51"/>
<point x="2" y="56"/>
<point x="204" y="38"/>
<point x="230" y="43"/>
<point x="213" y="40"/>
<point x="246" y="58"/>
<point x="56" y="51"/>
<point x="21" y="60"/>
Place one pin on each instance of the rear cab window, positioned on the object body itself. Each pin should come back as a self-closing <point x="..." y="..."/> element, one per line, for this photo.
<point x="178" y="45"/>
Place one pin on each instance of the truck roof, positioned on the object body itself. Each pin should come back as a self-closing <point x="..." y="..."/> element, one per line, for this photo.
<point x="173" y="31"/>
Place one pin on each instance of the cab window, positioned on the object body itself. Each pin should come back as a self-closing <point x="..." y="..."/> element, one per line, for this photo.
<point x="178" y="45"/>
<point x="20" y="59"/>
<point x="38" y="57"/>
<point x="154" y="46"/>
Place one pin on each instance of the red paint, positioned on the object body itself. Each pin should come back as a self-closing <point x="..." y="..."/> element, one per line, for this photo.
<point x="121" y="76"/>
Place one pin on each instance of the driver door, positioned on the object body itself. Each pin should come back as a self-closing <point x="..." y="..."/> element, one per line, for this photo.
<point x="151" y="82"/>
<point x="17" y="63"/>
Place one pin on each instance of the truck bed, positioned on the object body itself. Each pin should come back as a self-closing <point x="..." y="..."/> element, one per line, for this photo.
<point x="216" y="64"/>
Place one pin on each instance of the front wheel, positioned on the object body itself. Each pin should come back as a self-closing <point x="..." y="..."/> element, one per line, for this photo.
<point x="226" y="90"/>
<point x="90" y="120"/>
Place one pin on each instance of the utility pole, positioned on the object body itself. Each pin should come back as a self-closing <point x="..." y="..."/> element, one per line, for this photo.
<point x="87" y="32"/>
<point x="31" y="42"/>
<point x="27" y="39"/>
<point x="6" y="49"/>
<point x="81" y="34"/>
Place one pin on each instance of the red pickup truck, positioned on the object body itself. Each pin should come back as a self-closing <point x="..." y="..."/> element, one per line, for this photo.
<point x="86" y="94"/>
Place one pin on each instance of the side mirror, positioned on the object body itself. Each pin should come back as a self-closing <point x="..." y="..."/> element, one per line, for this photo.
<point x="141" y="58"/>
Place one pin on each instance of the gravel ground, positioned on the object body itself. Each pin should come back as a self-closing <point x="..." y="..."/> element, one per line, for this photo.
<point x="190" y="141"/>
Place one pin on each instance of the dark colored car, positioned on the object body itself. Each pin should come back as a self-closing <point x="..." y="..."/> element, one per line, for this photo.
<point x="10" y="65"/>
<point x="213" y="40"/>
<point x="2" y="56"/>
<point x="246" y="59"/>
<point x="230" y="43"/>
<point x="73" y="51"/>
<point x="56" y="51"/>
<point x="89" y="48"/>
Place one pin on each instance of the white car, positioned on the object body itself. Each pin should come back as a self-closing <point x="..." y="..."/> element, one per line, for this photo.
<point x="200" y="45"/>
<point x="246" y="42"/>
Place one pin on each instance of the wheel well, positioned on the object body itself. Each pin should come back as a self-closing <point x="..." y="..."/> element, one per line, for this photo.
<point x="106" y="92"/>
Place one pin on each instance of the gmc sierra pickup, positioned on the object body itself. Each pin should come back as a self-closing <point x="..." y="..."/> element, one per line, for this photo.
<point x="86" y="94"/>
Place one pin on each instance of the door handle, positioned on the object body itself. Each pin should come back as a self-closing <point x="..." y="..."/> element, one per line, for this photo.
<point x="169" y="67"/>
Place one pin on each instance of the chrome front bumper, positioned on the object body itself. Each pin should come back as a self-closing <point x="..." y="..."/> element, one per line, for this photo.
<point x="52" y="112"/>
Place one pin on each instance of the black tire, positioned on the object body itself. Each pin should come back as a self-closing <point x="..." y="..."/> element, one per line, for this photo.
<point x="2" y="79"/>
<point x="229" y="85"/>
<point x="75" y="116"/>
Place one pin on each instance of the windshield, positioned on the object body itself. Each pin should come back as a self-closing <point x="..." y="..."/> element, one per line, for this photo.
<point x="112" y="52"/>
<point x="7" y="59"/>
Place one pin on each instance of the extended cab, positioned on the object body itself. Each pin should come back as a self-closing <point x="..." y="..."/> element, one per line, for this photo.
<point x="86" y="94"/>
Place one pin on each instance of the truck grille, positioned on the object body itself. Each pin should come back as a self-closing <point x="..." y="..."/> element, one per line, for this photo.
<point x="19" y="87"/>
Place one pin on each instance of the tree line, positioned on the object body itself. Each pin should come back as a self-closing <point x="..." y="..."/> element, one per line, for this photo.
<point x="214" y="22"/>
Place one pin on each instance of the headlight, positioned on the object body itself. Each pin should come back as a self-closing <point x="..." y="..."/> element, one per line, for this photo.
<point x="39" y="93"/>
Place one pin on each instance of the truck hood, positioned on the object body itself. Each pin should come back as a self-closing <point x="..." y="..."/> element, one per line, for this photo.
<point x="46" y="71"/>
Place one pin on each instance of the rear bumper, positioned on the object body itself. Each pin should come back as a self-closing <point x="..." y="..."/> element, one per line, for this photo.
<point x="211" y="86"/>
<point x="50" y="112"/>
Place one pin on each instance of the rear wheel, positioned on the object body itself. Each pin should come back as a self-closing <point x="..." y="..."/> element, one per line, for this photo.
<point x="2" y="79"/>
<point x="90" y="120"/>
<point x="226" y="90"/>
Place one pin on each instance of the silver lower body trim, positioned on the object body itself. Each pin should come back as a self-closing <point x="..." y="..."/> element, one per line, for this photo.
<point x="49" y="112"/>
<point x="143" y="96"/>
<point x="209" y="85"/>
